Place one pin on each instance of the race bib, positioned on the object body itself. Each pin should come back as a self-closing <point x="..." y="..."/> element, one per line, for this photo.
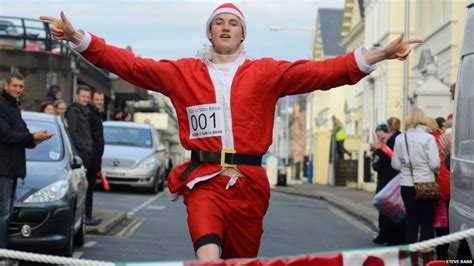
<point x="205" y="120"/>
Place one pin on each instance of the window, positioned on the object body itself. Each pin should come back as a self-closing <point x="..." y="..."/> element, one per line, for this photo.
<point x="49" y="150"/>
<point x="464" y="138"/>
<point x="127" y="136"/>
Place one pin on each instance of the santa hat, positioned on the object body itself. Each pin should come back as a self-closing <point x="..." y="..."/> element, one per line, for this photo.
<point x="227" y="8"/>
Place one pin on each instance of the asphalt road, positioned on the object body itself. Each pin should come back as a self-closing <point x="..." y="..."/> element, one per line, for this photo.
<point x="156" y="229"/>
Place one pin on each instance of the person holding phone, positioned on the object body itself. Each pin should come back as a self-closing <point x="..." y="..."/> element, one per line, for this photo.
<point x="14" y="138"/>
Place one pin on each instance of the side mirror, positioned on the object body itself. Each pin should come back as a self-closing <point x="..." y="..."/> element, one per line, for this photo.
<point x="161" y="148"/>
<point x="76" y="162"/>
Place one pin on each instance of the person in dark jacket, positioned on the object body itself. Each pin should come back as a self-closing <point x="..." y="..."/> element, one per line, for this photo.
<point x="54" y="93"/>
<point x="14" y="138"/>
<point x="96" y="107"/>
<point x="390" y="232"/>
<point x="79" y="128"/>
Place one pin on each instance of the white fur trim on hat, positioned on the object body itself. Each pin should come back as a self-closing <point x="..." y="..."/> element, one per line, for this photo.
<point x="227" y="8"/>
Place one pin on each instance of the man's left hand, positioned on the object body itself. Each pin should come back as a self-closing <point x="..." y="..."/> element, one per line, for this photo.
<point x="396" y="49"/>
<point x="399" y="48"/>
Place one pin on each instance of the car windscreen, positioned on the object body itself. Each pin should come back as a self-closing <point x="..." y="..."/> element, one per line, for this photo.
<point x="48" y="150"/>
<point x="128" y="136"/>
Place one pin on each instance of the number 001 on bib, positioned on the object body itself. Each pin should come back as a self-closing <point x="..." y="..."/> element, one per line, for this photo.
<point x="205" y="120"/>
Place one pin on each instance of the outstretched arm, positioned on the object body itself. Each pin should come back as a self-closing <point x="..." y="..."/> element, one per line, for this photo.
<point x="142" y="72"/>
<point x="396" y="49"/>
<point x="62" y="29"/>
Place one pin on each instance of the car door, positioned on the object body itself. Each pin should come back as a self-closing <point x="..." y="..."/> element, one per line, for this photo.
<point x="79" y="179"/>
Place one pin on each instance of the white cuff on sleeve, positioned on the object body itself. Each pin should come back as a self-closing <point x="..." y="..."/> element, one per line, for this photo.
<point x="84" y="43"/>
<point x="359" y="56"/>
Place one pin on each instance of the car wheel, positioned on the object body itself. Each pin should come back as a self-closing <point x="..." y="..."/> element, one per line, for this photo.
<point x="155" y="187"/>
<point x="161" y="183"/>
<point x="68" y="248"/>
<point x="80" y="236"/>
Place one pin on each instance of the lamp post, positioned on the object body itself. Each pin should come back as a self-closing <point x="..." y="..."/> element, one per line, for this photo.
<point x="280" y="28"/>
<point x="287" y="109"/>
<point x="406" y="64"/>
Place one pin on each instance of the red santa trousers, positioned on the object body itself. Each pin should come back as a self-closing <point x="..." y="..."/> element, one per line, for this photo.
<point x="231" y="218"/>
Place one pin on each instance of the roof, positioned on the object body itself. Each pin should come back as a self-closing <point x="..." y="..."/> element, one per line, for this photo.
<point x="330" y="20"/>
<point x="43" y="117"/>
<point x="126" y="124"/>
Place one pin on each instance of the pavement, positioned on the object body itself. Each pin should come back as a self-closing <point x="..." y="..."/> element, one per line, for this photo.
<point x="354" y="202"/>
<point x="110" y="218"/>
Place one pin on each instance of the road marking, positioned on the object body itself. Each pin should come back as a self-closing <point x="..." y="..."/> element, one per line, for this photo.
<point x="143" y="205"/>
<point x="362" y="226"/>
<point x="156" y="207"/>
<point x="89" y="244"/>
<point x="130" y="228"/>
<point x="126" y="228"/>
<point x="77" y="254"/>
<point x="135" y="227"/>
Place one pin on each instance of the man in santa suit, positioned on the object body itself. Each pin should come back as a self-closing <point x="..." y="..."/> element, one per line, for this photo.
<point x="225" y="105"/>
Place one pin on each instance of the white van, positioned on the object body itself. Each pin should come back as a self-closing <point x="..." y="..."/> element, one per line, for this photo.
<point x="461" y="209"/>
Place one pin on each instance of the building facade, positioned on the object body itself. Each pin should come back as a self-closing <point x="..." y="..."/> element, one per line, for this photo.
<point x="322" y="105"/>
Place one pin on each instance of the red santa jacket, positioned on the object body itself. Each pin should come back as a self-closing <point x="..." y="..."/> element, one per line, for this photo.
<point x="255" y="89"/>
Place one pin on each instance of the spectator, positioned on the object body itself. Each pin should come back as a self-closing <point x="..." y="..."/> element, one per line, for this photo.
<point x="452" y="90"/>
<point x="14" y="138"/>
<point x="60" y="107"/>
<point x="118" y="115"/>
<point x="390" y="232"/>
<point x="446" y="137"/>
<point x="417" y="165"/>
<point x="443" y="180"/>
<point x="340" y="133"/>
<point x="79" y="128"/>
<point x="168" y="164"/>
<point x="54" y="93"/>
<point x="47" y="107"/>
<point x="127" y="117"/>
<point x="441" y="124"/>
<point x="381" y="131"/>
<point x="96" y="108"/>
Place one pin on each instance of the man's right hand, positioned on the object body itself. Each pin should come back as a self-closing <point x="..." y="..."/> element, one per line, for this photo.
<point x="62" y="29"/>
<point x="40" y="136"/>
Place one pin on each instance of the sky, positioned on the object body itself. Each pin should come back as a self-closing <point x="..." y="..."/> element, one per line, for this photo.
<point x="165" y="29"/>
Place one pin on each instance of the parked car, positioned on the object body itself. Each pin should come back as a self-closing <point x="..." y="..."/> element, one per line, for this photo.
<point x="49" y="210"/>
<point x="133" y="155"/>
<point x="461" y="207"/>
<point x="8" y="32"/>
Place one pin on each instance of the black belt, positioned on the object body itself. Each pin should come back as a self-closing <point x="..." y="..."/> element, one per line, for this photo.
<point x="226" y="158"/>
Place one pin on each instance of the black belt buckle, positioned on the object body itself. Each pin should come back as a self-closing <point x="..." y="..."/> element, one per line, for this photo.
<point x="223" y="163"/>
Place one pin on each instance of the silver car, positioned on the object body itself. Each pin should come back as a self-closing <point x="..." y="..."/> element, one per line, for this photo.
<point x="133" y="155"/>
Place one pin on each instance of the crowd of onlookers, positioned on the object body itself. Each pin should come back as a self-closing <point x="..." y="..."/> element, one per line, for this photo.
<point x="421" y="154"/>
